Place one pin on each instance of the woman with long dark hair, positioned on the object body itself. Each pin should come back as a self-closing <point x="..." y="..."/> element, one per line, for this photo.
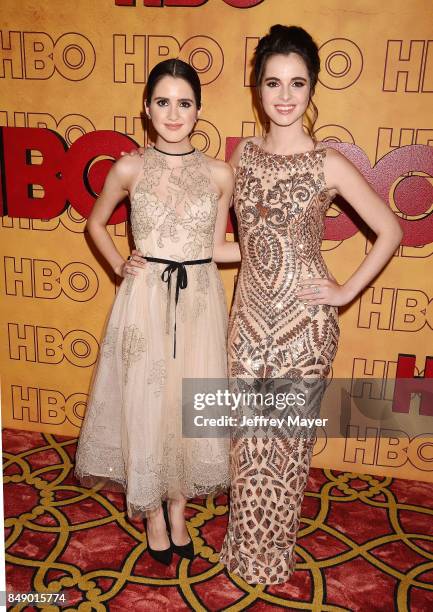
<point x="168" y="321"/>
<point x="284" y="322"/>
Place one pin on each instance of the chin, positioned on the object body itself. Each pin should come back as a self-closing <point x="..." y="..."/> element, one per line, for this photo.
<point x="174" y="137"/>
<point x="284" y="121"/>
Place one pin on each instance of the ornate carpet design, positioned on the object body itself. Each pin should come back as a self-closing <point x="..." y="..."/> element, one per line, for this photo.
<point x="366" y="543"/>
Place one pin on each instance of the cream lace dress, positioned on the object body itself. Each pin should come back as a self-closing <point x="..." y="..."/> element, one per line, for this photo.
<point x="131" y="437"/>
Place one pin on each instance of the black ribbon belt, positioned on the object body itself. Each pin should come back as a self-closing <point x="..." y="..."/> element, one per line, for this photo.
<point x="181" y="282"/>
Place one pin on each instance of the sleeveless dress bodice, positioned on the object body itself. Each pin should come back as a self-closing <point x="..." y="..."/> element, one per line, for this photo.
<point x="280" y="204"/>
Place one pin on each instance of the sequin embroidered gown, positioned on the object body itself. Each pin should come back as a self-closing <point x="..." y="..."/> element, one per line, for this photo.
<point x="131" y="437"/>
<point x="280" y="204"/>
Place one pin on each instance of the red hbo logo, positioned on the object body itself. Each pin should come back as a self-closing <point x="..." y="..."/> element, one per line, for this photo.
<point x="76" y="175"/>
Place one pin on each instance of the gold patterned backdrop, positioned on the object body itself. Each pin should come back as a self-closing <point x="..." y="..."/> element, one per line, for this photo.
<point x="72" y="77"/>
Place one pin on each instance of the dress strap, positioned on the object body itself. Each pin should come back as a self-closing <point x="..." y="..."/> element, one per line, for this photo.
<point x="245" y="150"/>
<point x="319" y="146"/>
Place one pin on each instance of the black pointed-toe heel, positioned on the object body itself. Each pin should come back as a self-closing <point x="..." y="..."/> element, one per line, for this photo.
<point x="183" y="550"/>
<point x="162" y="556"/>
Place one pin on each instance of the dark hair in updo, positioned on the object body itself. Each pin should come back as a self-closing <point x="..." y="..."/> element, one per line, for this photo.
<point x="175" y="68"/>
<point x="284" y="40"/>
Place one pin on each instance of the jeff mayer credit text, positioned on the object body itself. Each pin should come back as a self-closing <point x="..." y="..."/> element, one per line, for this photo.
<point x="257" y="421"/>
<point x="280" y="401"/>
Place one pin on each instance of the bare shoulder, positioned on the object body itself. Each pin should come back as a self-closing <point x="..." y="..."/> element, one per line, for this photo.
<point x="128" y="165"/>
<point x="340" y="171"/>
<point x="335" y="159"/>
<point x="336" y="163"/>
<point x="219" y="166"/>
<point x="221" y="171"/>
<point x="126" y="169"/>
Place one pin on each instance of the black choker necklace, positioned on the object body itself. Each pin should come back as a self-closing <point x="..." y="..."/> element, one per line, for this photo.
<point x="166" y="153"/>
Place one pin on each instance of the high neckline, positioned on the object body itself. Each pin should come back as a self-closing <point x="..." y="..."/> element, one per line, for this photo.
<point x="285" y="155"/>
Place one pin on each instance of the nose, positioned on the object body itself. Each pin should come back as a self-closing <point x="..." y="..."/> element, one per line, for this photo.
<point x="285" y="93"/>
<point x="173" y="112"/>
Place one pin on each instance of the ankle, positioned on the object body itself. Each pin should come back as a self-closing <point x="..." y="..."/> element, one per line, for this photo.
<point x="178" y="504"/>
<point x="176" y="509"/>
<point x="156" y="521"/>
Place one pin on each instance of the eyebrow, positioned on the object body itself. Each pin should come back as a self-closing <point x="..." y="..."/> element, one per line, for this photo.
<point x="179" y="99"/>
<point x="298" y="78"/>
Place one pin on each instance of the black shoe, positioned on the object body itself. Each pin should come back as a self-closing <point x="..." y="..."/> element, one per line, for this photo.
<point x="162" y="556"/>
<point x="184" y="550"/>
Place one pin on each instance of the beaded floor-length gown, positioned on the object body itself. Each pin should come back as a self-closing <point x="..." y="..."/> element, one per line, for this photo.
<point x="132" y="434"/>
<point x="280" y="204"/>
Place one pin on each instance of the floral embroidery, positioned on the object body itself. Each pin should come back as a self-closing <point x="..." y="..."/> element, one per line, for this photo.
<point x="202" y="279"/>
<point x="170" y="201"/>
<point x="198" y="308"/>
<point x="168" y="228"/>
<point x="153" y="276"/>
<point x="145" y="214"/>
<point x="133" y="346"/>
<point x="108" y="345"/>
<point x="129" y="283"/>
<point x="200" y="222"/>
<point x="157" y="376"/>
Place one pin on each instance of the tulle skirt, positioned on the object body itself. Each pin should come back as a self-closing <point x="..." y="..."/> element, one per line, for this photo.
<point x="131" y="438"/>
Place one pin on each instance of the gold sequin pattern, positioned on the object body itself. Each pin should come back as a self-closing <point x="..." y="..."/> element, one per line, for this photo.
<point x="280" y="204"/>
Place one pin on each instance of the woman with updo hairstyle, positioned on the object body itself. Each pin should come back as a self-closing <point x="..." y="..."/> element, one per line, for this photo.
<point x="168" y="320"/>
<point x="285" y="40"/>
<point x="284" y="320"/>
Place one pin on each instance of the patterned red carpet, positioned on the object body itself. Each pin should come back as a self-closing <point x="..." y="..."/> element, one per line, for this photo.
<point x="366" y="543"/>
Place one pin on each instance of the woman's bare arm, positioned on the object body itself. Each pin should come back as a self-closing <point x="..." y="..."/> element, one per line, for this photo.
<point x="224" y="251"/>
<point x="116" y="187"/>
<point x="341" y="175"/>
